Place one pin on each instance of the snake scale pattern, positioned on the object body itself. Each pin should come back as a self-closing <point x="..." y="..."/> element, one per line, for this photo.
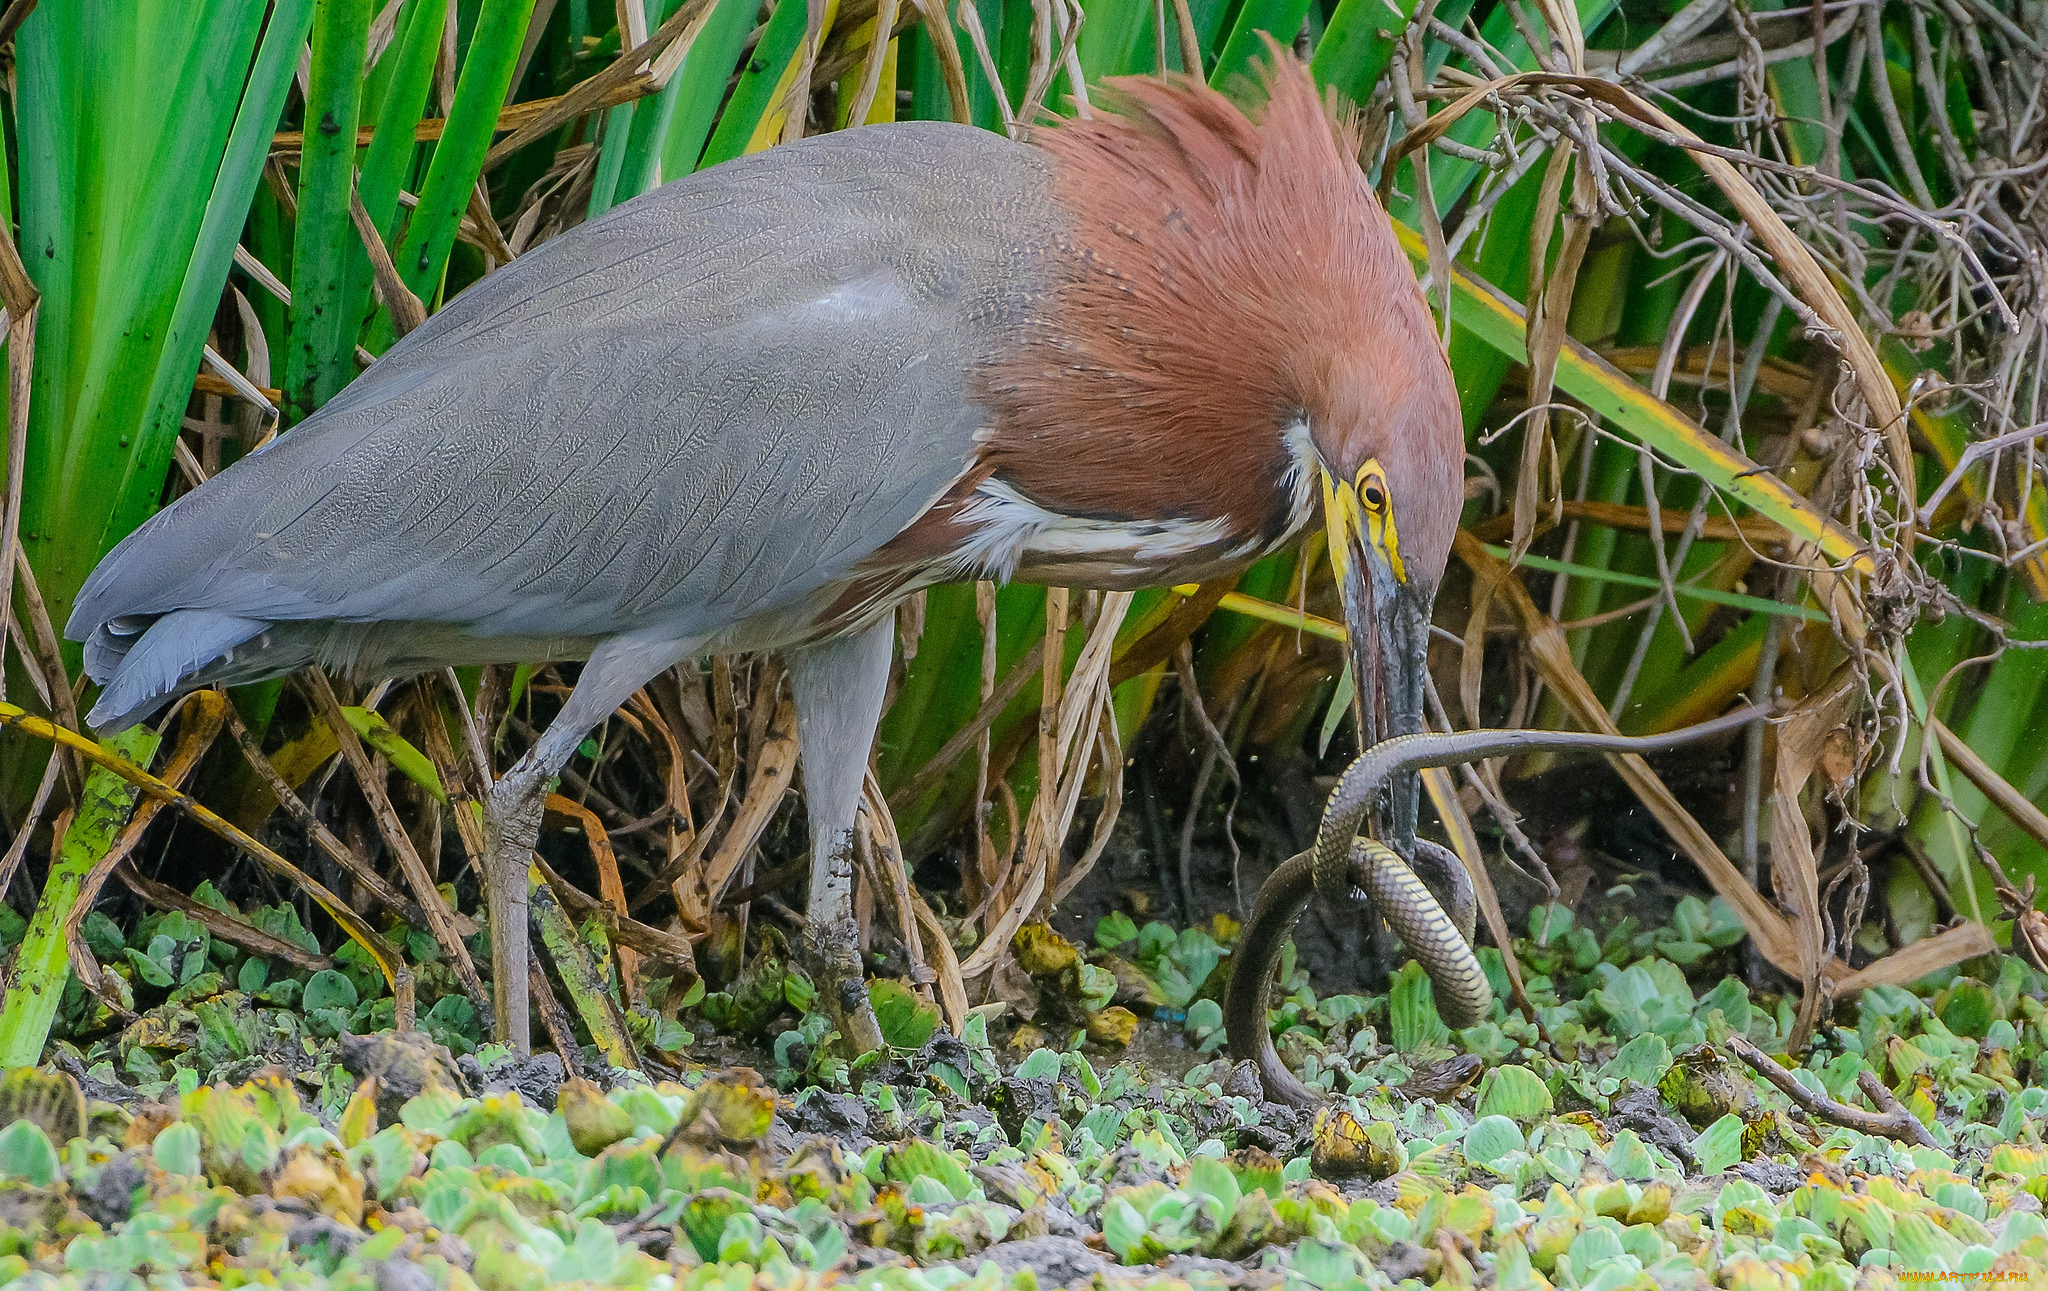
<point x="1351" y="871"/>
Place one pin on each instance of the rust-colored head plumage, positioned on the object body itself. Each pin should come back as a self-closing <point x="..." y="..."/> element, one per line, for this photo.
<point x="1225" y="278"/>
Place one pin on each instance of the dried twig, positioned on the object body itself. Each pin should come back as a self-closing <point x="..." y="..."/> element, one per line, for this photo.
<point x="405" y="308"/>
<point x="947" y="51"/>
<point x="773" y="770"/>
<point x="880" y="33"/>
<point x="324" y="838"/>
<point x="48" y="659"/>
<point x="883" y="851"/>
<point x="1063" y="770"/>
<point x="1215" y="750"/>
<point x="18" y="293"/>
<point x="2023" y="813"/>
<point x="1892" y="1121"/>
<point x="25" y="831"/>
<point x="621" y="77"/>
<point x="440" y="919"/>
<point x="218" y="923"/>
<point x="554" y="1019"/>
<point x="1794" y="868"/>
<point x="928" y="776"/>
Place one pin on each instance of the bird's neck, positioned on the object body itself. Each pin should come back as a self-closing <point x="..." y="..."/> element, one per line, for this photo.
<point x="1100" y="526"/>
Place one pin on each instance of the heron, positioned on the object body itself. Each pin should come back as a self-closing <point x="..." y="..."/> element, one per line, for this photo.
<point x="756" y="408"/>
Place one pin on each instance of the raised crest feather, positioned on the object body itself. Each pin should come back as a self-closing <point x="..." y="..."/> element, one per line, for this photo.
<point x="1225" y="274"/>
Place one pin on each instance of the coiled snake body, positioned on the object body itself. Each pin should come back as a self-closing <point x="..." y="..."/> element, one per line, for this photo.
<point x="1349" y="870"/>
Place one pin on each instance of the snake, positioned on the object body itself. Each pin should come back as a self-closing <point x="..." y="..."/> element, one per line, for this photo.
<point x="1350" y="870"/>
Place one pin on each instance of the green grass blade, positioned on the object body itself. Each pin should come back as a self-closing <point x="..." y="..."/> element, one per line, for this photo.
<point x="1935" y="648"/>
<point x="49" y="120"/>
<point x="241" y="170"/>
<point x="1943" y="833"/>
<point x="1280" y="19"/>
<point x="699" y="85"/>
<point x="1698" y="689"/>
<point x="611" y="160"/>
<point x="883" y="110"/>
<point x="640" y="148"/>
<point x="1949" y="433"/>
<point x="415" y="45"/>
<point x="1614" y="472"/>
<point x="631" y="140"/>
<point x="1796" y="94"/>
<point x="459" y="157"/>
<point x="130" y="214"/>
<point x="754" y="96"/>
<point x="1013" y="51"/>
<point x="1127" y="43"/>
<point x="921" y="72"/>
<point x="1712" y="595"/>
<point x="2002" y="709"/>
<point x="2001" y="725"/>
<point x="585" y="979"/>
<point x="981" y="96"/>
<point x="1270" y="580"/>
<point x="371" y="728"/>
<point x="43" y="965"/>
<point x="320" y="349"/>
<point x="941" y="688"/>
<point x="1358" y="44"/>
<point x="1109" y="39"/>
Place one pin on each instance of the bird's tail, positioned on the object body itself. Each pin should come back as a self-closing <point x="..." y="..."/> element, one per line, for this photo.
<point x="146" y="663"/>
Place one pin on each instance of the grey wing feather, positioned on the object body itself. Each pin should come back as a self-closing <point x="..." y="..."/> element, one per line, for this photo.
<point x="707" y="405"/>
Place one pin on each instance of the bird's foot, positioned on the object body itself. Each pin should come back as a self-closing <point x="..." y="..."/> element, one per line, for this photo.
<point x="831" y="954"/>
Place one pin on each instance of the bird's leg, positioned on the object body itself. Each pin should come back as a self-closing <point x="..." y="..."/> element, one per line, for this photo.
<point x="511" y="827"/>
<point x="512" y="815"/>
<point x="839" y="685"/>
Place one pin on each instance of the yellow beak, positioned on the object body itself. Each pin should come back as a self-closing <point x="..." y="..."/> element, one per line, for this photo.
<point x="1344" y="520"/>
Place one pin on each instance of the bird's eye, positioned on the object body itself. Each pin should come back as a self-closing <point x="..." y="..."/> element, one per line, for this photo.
<point x="1372" y="486"/>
